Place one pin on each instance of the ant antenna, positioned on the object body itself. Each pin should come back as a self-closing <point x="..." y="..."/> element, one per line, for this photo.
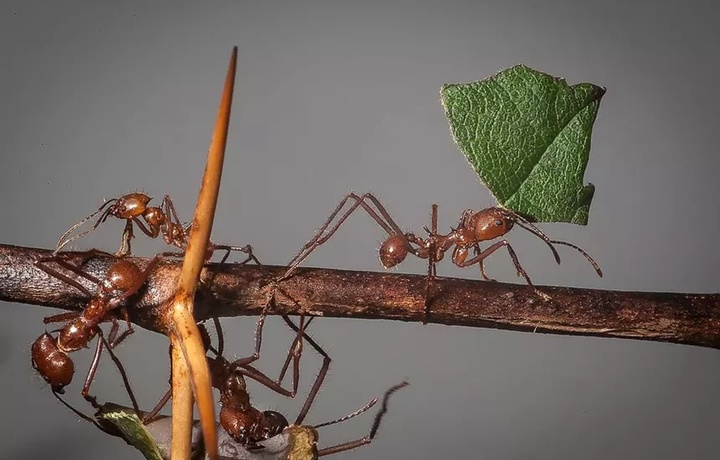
<point x="529" y="226"/>
<point x="363" y="409"/>
<point x="384" y="407"/>
<point x="62" y="242"/>
<point x="587" y="256"/>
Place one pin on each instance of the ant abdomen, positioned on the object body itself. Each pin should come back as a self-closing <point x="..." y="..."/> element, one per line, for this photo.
<point x="393" y="251"/>
<point x="55" y="367"/>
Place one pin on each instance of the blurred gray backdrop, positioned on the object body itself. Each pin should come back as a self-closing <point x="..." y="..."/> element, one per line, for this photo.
<point x="102" y="98"/>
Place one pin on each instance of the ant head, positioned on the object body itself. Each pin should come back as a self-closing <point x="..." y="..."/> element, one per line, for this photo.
<point x="238" y="422"/>
<point x="526" y="223"/>
<point x="129" y="206"/>
<point x="123" y="276"/>
<point x="55" y="367"/>
<point x="393" y="251"/>
<point x="492" y="223"/>
<point x="276" y="423"/>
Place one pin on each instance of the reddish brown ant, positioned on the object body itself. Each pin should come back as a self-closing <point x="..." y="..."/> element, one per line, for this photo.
<point x="474" y="227"/>
<point x="237" y="417"/>
<point x="249" y="426"/>
<point x="50" y="355"/>
<point x="151" y="220"/>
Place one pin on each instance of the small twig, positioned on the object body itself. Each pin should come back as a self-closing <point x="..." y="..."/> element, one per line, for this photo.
<point x="692" y="319"/>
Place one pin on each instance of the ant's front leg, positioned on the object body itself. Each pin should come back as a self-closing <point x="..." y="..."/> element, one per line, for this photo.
<point x="175" y="235"/>
<point x="460" y="254"/>
<point x="483" y="273"/>
<point x="127" y="235"/>
<point x="61" y="259"/>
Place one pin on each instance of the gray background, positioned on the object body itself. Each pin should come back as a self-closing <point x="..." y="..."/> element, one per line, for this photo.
<point x="102" y="98"/>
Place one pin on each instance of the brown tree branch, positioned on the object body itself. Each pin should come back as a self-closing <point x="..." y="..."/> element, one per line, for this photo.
<point x="241" y="290"/>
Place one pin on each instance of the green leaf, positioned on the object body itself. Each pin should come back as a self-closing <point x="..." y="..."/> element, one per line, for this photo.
<point x="133" y="430"/>
<point x="527" y="135"/>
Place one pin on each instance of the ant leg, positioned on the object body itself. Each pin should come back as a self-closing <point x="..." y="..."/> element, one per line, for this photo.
<point x="373" y="431"/>
<point x="96" y="362"/>
<point x="126" y="237"/>
<point x="60" y="260"/>
<point x="93" y="402"/>
<point x="289" y="356"/>
<point x="321" y="375"/>
<point x="247" y="249"/>
<point x="172" y="215"/>
<point x="221" y="337"/>
<point x="143" y="228"/>
<point x="520" y="271"/>
<point x="323" y="234"/>
<point x="294" y="352"/>
<point x="432" y="269"/>
<point x="115" y="340"/>
<point x="483" y="274"/>
<point x="61" y="317"/>
<point x="148" y="417"/>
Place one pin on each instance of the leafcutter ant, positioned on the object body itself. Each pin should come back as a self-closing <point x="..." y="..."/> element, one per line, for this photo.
<point x="474" y="227"/>
<point x="153" y="221"/>
<point x="249" y="426"/>
<point x="242" y="422"/>
<point x="50" y="355"/>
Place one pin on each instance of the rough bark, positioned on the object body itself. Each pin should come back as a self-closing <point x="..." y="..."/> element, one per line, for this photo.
<point x="242" y="290"/>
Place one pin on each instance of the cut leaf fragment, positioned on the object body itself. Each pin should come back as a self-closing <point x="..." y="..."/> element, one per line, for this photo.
<point x="527" y="135"/>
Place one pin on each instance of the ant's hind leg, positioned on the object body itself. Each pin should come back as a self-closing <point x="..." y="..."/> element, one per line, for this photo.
<point x="327" y="230"/>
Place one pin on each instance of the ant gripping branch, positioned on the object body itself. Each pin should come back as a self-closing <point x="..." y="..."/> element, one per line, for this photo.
<point x="50" y="355"/>
<point x="151" y="220"/>
<point x="474" y="227"/>
<point x="249" y="426"/>
<point x="243" y="423"/>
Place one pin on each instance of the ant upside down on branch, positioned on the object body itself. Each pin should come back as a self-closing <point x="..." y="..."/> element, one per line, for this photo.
<point x="247" y="426"/>
<point x="50" y="355"/>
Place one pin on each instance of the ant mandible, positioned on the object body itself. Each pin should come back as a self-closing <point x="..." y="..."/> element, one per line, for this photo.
<point x="50" y="355"/>
<point x="474" y="227"/>
<point x="153" y="221"/>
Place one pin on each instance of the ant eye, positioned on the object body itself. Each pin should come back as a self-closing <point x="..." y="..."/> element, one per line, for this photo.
<point x="499" y="223"/>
